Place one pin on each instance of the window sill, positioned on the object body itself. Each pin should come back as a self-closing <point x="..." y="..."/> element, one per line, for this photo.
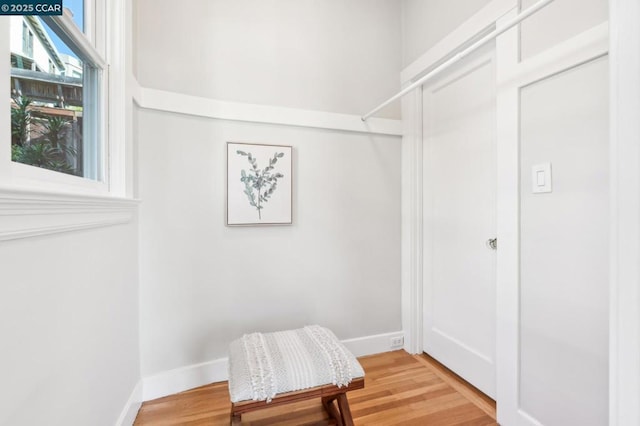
<point x="26" y="213"/>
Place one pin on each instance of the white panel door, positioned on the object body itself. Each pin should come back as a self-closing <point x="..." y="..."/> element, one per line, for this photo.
<point x="459" y="217"/>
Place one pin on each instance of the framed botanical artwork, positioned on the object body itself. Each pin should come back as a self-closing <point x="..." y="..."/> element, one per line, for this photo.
<point x="259" y="184"/>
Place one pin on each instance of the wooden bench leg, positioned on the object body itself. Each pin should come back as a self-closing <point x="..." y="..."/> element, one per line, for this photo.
<point x="330" y="407"/>
<point x="236" y="419"/>
<point x="345" y="411"/>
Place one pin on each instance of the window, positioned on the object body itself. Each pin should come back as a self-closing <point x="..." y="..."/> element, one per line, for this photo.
<point x="71" y="115"/>
<point x="57" y="95"/>
<point x="27" y="40"/>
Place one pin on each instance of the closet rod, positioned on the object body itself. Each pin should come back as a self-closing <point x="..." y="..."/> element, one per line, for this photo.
<point x="458" y="56"/>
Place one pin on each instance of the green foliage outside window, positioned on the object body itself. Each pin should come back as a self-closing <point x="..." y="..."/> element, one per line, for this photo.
<point x="41" y="140"/>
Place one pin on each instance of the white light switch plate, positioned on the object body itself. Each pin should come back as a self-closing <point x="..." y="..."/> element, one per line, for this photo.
<point x="541" y="178"/>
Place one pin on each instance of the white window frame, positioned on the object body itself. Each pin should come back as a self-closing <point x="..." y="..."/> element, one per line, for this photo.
<point x="36" y="201"/>
<point x="102" y="45"/>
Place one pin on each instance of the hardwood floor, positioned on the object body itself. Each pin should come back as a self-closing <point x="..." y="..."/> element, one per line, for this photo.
<point x="400" y="389"/>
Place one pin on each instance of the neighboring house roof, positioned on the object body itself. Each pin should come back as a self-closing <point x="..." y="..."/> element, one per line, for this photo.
<point x="41" y="33"/>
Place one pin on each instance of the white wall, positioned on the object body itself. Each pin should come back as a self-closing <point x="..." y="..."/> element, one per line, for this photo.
<point x="564" y="246"/>
<point x="327" y="55"/>
<point x="558" y="22"/>
<point x="564" y="249"/>
<point x="425" y="22"/>
<point x="15" y="27"/>
<point x="204" y="284"/>
<point x="68" y="321"/>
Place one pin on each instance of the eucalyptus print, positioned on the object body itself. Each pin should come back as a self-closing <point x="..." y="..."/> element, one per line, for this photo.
<point x="259" y="185"/>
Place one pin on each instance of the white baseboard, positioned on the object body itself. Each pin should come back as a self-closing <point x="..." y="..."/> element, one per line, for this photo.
<point x="130" y="410"/>
<point x="184" y="378"/>
<point x="193" y="376"/>
<point x="371" y="345"/>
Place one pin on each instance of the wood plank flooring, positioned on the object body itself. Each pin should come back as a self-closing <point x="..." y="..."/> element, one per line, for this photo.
<point x="400" y="389"/>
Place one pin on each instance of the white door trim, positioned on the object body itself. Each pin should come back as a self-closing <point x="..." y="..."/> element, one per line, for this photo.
<point x="511" y="76"/>
<point x="507" y="225"/>
<point x="412" y="236"/>
<point x="624" y="322"/>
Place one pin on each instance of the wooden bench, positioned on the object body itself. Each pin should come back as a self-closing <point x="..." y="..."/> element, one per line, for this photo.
<point x="329" y="394"/>
<point x="274" y="369"/>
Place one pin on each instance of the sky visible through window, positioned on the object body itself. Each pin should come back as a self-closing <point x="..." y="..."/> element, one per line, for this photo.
<point x="77" y="8"/>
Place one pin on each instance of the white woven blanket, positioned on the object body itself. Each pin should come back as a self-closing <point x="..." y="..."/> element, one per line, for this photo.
<point x="263" y="365"/>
